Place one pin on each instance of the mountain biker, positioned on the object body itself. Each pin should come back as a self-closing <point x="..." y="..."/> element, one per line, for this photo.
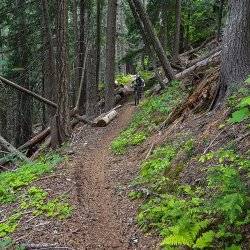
<point x="138" y="86"/>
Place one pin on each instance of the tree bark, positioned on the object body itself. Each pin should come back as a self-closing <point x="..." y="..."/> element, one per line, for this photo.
<point x="24" y="109"/>
<point x="154" y="39"/>
<point x="99" y="6"/>
<point x="220" y="16"/>
<point x="82" y="51"/>
<point x="92" y="86"/>
<point x="177" y="30"/>
<point x="110" y="55"/>
<point x="49" y="60"/>
<point x="61" y="130"/>
<point x="236" y="48"/>
<point x="75" y="82"/>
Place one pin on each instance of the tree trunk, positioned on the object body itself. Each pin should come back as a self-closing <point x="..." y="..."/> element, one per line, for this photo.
<point x="92" y="86"/>
<point x="49" y="60"/>
<point x="146" y="40"/>
<point x="177" y="30"/>
<point x="236" y="48"/>
<point x="61" y="126"/>
<point x="75" y="82"/>
<point x="99" y="6"/>
<point x="220" y="16"/>
<point x="24" y="109"/>
<point x="110" y="55"/>
<point x="82" y="51"/>
<point x="154" y="39"/>
<point x="163" y="33"/>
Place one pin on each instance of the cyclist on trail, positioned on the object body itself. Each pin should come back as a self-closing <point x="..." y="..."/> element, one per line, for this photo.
<point x="138" y="89"/>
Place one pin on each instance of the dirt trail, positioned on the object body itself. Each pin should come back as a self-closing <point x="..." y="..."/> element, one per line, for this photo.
<point x="105" y="216"/>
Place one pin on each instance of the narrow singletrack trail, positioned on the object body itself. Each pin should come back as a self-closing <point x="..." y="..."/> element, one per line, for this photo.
<point x="104" y="216"/>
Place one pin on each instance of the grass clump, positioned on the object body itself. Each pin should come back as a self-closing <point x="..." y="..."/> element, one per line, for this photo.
<point x="152" y="111"/>
<point x="211" y="216"/>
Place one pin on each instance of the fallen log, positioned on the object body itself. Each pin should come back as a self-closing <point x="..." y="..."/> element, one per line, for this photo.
<point x="195" y="61"/>
<point x="212" y="59"/>
<point x="13" y="150"/>
<point x="36" y="139"/>
<point x="204" y="44"/>
<point x="104" y="119"/>
<point x="27" y="91"/>
<point x="200" y="64"/>
<point x="192" y="100"/>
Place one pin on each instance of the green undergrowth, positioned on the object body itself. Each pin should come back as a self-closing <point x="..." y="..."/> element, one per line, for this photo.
<point x="240" y="104"/>
<point x="213" y="215"/>
<point x="18" y="191"/>
<point x="11" y="182"/>
<point x="152" y="112"/>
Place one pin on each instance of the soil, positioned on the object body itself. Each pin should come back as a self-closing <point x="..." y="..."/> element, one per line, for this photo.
<point x="97" y="183"/>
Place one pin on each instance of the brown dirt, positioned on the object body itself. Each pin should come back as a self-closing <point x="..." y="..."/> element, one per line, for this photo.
<point x="97" y="183"/>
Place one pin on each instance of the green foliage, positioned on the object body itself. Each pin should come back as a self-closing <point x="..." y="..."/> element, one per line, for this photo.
<point x="13" y="188"/>
<point x="146" y="75"/>
<point x="8" y="243"/>
<point x="135" y="195"/>
<point x="36" y="200"/>
<point x="240" y="103"/>
<point x="124" y="79"/>
<point x="127" y="138"/>
<point x="9" y="225"/>
<point x="203" y="216"/>
<point x="157" y="164"/>
<point x="151" y="113"/>
<point x="12" y="182"/>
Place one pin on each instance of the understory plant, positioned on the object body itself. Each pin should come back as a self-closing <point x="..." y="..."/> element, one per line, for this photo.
<point x="15" y="187"/>
<point x="152" y="112"/>
<point x="210" y="216"/>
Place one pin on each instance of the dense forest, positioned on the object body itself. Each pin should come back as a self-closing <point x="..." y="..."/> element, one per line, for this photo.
<point x="124" y="124"/>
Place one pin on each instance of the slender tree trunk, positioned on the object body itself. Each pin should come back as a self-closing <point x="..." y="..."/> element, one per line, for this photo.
<point x="92" y="86"/>
<point x="163" y="34"/>
<point x="49" y="60"/>
<point x="82" y="49"/>
<point x="75" y="82"/>
<point x="154" y="39"/>
<point x="24" y="117"/>
<point x="177" y="30"/>
<point x="110" y="55"/>
<point x="146" y="40"/>
<point x="99" y="5"/>
<point x="61" y="126"/>
<point x="220" y="16"/>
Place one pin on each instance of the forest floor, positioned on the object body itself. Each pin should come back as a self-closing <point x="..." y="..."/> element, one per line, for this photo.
<point x="97" y="183"/>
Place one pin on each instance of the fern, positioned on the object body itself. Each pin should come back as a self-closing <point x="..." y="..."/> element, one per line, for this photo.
<point x="205" y="240"/>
